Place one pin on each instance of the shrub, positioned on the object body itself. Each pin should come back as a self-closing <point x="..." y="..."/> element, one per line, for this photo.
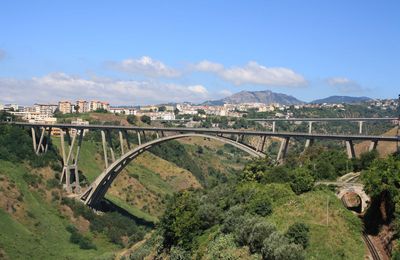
<point x="260" y="232"/>
<point x="298" y="233"/>
<point x="302" y="180"/>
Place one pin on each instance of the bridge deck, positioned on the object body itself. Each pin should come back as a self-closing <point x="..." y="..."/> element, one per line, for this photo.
<point x="219" y="131"/>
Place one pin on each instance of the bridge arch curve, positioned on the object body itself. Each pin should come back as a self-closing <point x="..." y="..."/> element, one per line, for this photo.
<point x="359" y="191"/>
<point x="96" y="191"/>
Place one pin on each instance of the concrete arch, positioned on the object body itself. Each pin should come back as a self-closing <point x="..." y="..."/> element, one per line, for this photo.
<point x="96" y="191"/>
<point x="357" y="189"/>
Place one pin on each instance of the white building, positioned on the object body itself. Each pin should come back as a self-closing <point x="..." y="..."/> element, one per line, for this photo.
<point x="123" y="110"/>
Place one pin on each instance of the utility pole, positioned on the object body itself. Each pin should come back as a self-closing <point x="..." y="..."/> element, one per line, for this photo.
<point x="327" y="211"/>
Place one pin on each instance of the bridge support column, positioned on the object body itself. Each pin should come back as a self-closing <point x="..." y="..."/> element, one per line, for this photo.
<point x="138" y="137"/>
<point x="70" y="164"/>
<point x="263" y="143"/>
<point x="308" y="141"/>
<point x="103" y="140"/>
<point x="273" y="126"/>
<point x="360" y="127"/>
<point x="111" y="145"/>
<point x="34" y="139"/>
<point x="373" y="145"/>
<point x="127" y="139"/>
<point x="121" y="142"/>
<point x="48" y="140"/>
<point x="350" y="149"/>
<point x="283" y="149"/>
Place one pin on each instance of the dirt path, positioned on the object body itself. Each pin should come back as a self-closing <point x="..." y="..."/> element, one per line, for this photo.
<point x="127" y="251"/>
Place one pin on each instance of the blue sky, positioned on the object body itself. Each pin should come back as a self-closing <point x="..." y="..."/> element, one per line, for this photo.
<point x="131" y="52"/>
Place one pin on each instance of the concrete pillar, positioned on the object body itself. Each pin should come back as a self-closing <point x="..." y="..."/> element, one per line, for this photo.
<point x="34" y="139"/>
<point x="103" y="140"/>
<point x="310" y="127"/>
<point x="138" y="137"/>
<point x="273" y="126"/>
<point x="48" y="140"/>
<point x="350" y="149"/>
<point x="283" y="149"/>
<point x="121" y="142"/>
<point x="40" y="144"/>
<point x="111" y="145"/>
<point x="127" y="139"/>
<point x="309" y="142"/>
<point x="360" y="126"/>
<point x="263" y="143"/>
<point x="77" y="185"/>
<point x="373" y="145"/>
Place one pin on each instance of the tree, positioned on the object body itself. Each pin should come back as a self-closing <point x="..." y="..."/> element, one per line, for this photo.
<point x="132" y="119"/>
<point x="302" y="181"/>
<point x="146" y="119"/>
<point x="298" y="233"/>
<point x="382" y="181"/>
<point x="201" y="111"/>
<point x="76" y="107"/>
<point x="181" y="221"/>
<point x="162" y="109"/>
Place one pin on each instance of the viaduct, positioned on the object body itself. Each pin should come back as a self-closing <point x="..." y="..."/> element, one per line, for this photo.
<point x="149" y="137"/>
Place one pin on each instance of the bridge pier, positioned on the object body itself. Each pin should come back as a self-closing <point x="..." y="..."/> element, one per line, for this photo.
<point x="350" y="149"/>
<point x="138" y="137"/>
<point x="109" y="138"/>
<point x="360" y="127"/>
<point x="308" y="141"/>
<point x="70" y="163"/>
<point x="41" y="145"/>
<point x="273" y="126"/>
<point x="373" y="145"/>
<point x="283" y="149"/>
<point x="103" y="140"/>
<point x="127" y="139"/>
<point x="121" y="142"/>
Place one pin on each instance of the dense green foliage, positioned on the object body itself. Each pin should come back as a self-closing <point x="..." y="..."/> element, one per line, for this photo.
<point x="175" y="152"/>
<point x="145" y="119"/>
<point x="113" y="224"/>
<point x="16" y="146"/>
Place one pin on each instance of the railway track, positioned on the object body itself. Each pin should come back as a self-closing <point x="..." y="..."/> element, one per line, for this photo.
<point x="371" y="247"/>
<point x="374" y="253"/>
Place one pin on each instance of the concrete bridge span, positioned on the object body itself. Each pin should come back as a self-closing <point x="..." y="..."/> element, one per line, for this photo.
<point x="96" y="191"/>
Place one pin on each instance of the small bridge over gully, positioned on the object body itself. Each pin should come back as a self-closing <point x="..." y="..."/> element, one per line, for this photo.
<point x="92" y="196"/>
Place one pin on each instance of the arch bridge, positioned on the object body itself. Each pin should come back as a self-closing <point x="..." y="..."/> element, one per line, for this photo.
<point x="74" y="135"/>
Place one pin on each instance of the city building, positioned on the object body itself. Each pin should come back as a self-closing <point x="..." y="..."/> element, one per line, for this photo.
<point x="65" y="107"/>
<point x="82" y="106"/>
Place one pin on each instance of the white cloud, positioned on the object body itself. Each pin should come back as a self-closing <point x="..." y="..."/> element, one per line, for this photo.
<point x="198" y="89"/>
<point x="145" y="66"/>
<point x="345" y="85"/>
<point x="225" y="93"/>
<point x="208" y="66"/>
<point x="253" y="73"/>
<point x="59" y="86"/>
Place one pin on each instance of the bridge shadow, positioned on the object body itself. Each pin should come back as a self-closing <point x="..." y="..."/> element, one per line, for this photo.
<point x="108" y="206"/>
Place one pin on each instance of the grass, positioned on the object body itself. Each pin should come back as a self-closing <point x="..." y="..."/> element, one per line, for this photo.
<point x="132" y="209"/>
<point x="339" y="238"/>
<point x="42" y="235"/>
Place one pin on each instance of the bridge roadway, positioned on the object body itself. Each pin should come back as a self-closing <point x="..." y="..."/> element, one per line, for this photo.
<point x="354" y="119"/>
<point x="344" y="137"/>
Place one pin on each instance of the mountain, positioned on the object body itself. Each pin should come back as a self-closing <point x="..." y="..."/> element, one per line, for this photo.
<point x="340" y="99"/>
<point x="265" y="96"/>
